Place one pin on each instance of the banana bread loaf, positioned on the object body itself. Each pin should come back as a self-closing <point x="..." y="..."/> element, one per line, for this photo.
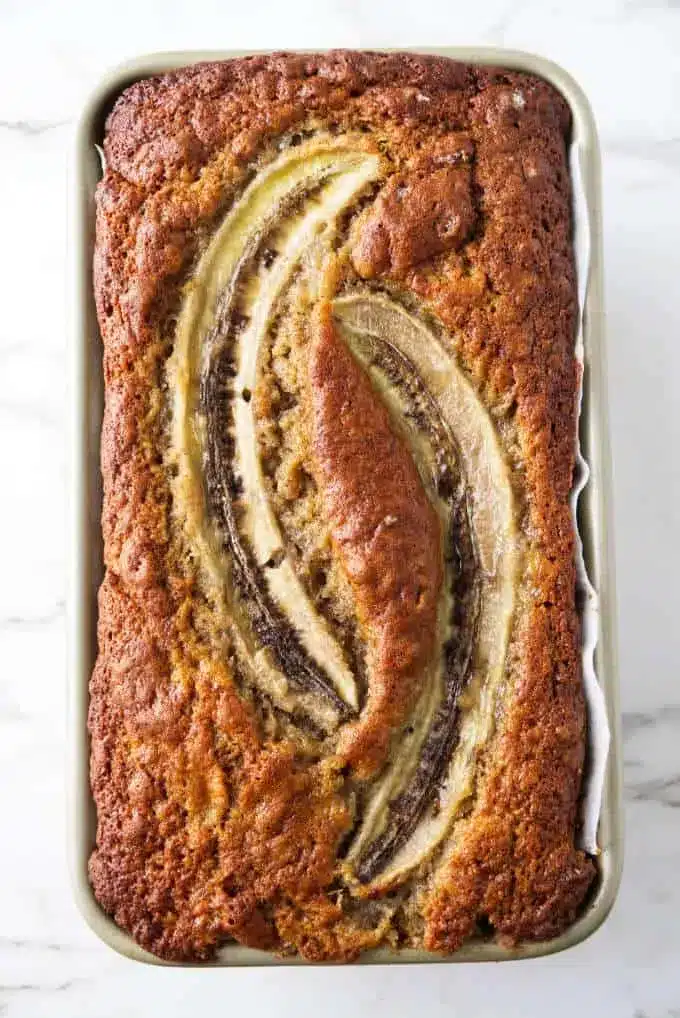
<point x="337" y="702"/>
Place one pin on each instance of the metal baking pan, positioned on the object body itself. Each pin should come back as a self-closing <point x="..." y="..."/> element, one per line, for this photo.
<point x="86" y="400"/>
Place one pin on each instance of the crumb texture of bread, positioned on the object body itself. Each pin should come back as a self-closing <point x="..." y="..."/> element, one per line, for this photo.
<point x="296" y="740"/>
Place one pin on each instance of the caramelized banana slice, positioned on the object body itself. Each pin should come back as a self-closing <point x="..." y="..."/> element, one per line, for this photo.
<point x="385" y="533"/>
<point x="225" y="318"/>
<point x="411" y="808"/>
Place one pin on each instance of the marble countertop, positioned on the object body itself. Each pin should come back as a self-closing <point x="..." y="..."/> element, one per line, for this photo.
<point x="626" y="55"/>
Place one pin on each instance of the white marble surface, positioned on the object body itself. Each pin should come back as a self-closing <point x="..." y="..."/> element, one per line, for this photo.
<point x="626" y="54"/>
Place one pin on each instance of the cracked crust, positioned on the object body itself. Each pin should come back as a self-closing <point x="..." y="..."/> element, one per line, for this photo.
<point x="208" y="829"/>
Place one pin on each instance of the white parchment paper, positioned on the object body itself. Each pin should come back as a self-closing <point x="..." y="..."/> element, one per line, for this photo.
<point x="598" y="724"/>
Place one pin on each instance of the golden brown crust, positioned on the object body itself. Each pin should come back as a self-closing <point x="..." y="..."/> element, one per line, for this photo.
<point x="387" y="534"/>
<point x="421" y="213"/>
<point x="205" y="829"/>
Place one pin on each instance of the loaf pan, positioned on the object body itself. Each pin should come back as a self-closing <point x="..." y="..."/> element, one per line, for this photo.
<point x="86" y="401"/>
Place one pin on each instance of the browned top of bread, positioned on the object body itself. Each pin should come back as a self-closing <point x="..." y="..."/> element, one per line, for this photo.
<point x="387" y="534"/>
<point x="227" y="797"/>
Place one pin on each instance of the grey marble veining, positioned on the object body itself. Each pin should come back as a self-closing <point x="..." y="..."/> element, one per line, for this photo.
<point x="625" y="53"/>
<point x="31" y="127"/>
<point x="25" y="622"/>
<point x="665" y="151"/>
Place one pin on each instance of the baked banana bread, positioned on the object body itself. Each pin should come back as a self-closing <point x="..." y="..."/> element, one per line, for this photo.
<point x="337" y="703"/>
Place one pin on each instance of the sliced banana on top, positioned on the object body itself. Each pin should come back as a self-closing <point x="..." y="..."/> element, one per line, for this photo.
<point x="411" y="809"/>
<point x="226" y="316"/>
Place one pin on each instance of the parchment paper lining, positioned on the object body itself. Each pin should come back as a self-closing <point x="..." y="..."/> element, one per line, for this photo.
<point x="598" y="724"/>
